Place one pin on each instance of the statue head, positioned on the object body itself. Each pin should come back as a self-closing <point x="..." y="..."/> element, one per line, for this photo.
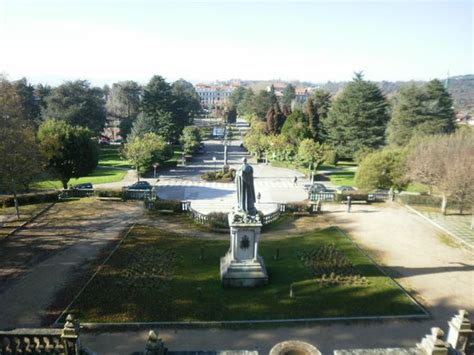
<point x="244" y="160"/>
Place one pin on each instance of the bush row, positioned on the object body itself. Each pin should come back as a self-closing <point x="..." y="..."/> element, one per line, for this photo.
<point x="29" y="198"/>
<point x="219" y="175"/>
<point x="168" y="205"/>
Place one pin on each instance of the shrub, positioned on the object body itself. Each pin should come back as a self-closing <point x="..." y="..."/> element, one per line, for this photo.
<point x="218" y="220"/>
<point x="331" y="157"/>
<point x="298" y="207"/>
<point x="29" y="198"/>
<point x="171" y="205"/>
<point x="108" y="193"/>
<point x="219" y="175"/>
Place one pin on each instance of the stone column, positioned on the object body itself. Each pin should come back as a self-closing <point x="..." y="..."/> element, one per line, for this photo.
<point x="433" y="344"/>
<point x="70" y="336"/>
<point x="460" y="332"/>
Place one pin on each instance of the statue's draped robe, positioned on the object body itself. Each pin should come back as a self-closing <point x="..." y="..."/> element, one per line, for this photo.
<point x="245" y="190"/>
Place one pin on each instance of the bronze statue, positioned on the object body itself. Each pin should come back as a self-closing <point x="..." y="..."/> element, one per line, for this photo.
<point x="245" y="189"/>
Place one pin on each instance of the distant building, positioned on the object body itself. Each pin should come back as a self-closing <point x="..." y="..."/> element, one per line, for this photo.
<point x="212" y="95"/>
<point x="301" y="92"/>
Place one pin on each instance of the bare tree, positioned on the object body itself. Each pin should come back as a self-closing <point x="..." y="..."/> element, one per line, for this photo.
<point x="447" y="163"/>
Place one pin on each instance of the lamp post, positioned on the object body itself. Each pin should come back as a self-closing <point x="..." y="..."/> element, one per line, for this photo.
<point x="214" y="159"/>
<point x="155" y="165"/>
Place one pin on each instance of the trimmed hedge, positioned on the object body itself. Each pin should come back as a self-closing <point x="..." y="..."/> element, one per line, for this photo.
<point x="108" y="193"/>
<point x="29" y="198"/>
<point x="218" y="220"/>
<point x="161" y="205"/>
<point x="298" y="207"/>
<point x="219" y="175"/>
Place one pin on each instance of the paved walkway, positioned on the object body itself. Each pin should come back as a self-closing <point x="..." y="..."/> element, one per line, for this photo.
<point x="458" y="225"/>
<point x="438" y="275"/>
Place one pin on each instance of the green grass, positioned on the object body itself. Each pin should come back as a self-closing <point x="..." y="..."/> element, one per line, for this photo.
<point x="343" y="177"/>
<point x="110" y="156"/>
<point x="112" y="168"/>
<point x="156" y="275"/>
<point x="417" y="187"/>
<point x="99" y="176"/>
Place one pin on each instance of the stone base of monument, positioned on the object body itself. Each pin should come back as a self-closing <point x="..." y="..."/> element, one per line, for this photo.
<point x="243" y="274"/>
<point x="242" y="266"/>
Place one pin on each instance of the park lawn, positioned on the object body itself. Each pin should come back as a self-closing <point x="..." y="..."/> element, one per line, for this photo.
<point x="342" y="177"/>
<point x="111" y="156"/>
<point x="112" y="167"/>
<point x="99" y="176"/>
<point x="158" y="275"/>
<point x="417" y="187"/>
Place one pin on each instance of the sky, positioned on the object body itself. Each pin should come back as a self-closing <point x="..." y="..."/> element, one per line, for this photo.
<point x="106" y="41"/>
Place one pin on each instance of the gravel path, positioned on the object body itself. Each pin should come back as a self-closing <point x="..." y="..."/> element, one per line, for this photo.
<point x="37" y="261"/>
<point x="439" y="275"/>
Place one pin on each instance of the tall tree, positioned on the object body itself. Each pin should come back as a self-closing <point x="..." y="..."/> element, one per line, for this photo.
<point x="146" y="150"/>
<point x="70" y="150"/>
<point x="312" y="118"/>
<point x="30" y="104"/>
<point x="322" y="104"/>
<point x="187" y="103"/>
<point x="20" y="160"/>
<point x="79" y="104"/>
<point x="382" y="169"/>
<point x="446" y="162"/>
<point x="245" y="106"/>
<point x="262" y="103"/>
<point x="421" y="111"/>
<point x="42" y="93"/>
<point x="123" y="104"/>
<point x="190" y="139"/>
<point x="160" y="104"/>
<point x="237" y="96"/>
<point x="311" y="154"/>
<point x="358" y="118"/>
<point x="295" y="128"/>
<point x="230" y="114"/>
<point x="288" y="95"/>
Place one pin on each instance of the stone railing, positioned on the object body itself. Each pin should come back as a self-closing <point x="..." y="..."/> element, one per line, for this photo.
<point x="135" y="194"/>
<point x="197" y="216"/>
<point x="322" y="196"/>
<point x="459" y="341"/>
<point x="273" y="216"/>
<point x="71" y="193"/>
<point x="43" y="341"/>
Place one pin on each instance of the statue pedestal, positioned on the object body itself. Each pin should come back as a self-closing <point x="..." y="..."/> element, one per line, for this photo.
<point x="242" y="266"/>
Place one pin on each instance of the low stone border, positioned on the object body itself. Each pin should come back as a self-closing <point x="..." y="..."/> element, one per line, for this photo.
<point x="63" y="313"/>
<point x="136" y="325"/>
<point x="29" y="220"/>
<point x="458" y="239"/>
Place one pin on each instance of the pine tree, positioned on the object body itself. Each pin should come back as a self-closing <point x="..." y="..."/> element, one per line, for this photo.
<point x="421" y="111"/>
<point x="358" y="118"/>
<point x="270" y="120"/>
<point x="312" y="118"/>
<point x="322" y="104"/>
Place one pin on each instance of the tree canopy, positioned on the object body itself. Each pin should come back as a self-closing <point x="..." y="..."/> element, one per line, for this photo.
<point x="358" y="118"/>
<point x="69" y="150"/>
<point x="79" y="104"/>
<point x="421" y="111"/>
<point x="295" y="128"/>
<point x="144" y="151"/>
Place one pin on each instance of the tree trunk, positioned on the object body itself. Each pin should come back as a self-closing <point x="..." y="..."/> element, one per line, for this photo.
<point x="444" y="204"/>
<point x="138" y="174"/>
<point x="15" y="198"/>
<point x="64" y="182"/>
